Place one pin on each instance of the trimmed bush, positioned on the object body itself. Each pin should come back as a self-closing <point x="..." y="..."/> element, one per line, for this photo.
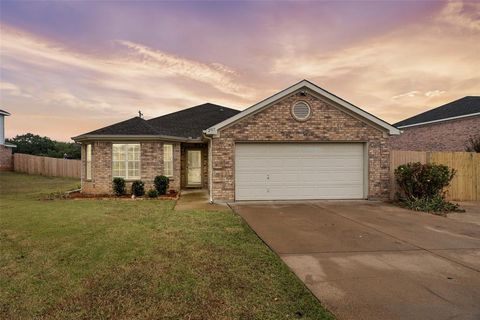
<point x="161" y="184"/>
<point x="152" y="193"/>
<point x="138" y="188"/>
<point x="422" y="187"/>
<point x="119" y="186"/>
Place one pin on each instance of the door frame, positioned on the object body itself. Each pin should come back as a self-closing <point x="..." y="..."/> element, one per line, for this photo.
<point x="187" y="184"/>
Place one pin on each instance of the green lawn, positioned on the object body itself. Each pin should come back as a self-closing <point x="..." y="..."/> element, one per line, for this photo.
<point x="110" y="259"/>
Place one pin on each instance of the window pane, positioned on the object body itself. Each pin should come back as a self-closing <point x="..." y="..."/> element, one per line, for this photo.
<point x="89" y="152"/>
<point x="168" y="160"/>
<point x="118" y="152"/>
<point x="88" y="163"/>
<point x="89" y="170"/>
<point x="126" y="160"/>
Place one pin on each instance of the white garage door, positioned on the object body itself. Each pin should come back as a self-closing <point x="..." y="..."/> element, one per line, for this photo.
<point x="295" y="171"/>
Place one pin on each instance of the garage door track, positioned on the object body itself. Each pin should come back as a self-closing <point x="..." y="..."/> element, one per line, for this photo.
<point x="371" y="260"/>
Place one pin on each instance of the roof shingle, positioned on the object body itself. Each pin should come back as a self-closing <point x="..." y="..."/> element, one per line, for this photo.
<point x="461" y="107"/>
<point x="188" y="123"/>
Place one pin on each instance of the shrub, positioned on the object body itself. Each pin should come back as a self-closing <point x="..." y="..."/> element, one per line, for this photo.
<point x="119" y="186"/>
<point x="437" y="205"/>
<point x="152" y="193"/>
<point x="422" y="186"/>
<point x="138" y="188"/>
<point x="161" y="184"/>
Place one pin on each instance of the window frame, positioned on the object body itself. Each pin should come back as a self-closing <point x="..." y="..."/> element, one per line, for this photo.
<point x="88" y="161"/>
<point x="126" y="161"/>
<point x="165" y="160"/>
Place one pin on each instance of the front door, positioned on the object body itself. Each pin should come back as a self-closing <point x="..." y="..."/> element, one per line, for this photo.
<point x="194" y="168"/>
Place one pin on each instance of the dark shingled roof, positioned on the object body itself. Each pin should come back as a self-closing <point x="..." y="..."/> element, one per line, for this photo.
<point x="188" y="123"/>
<point x="457" y="108"/>
<point x="133" y="126"/>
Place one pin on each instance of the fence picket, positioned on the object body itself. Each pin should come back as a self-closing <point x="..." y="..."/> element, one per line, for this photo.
<point x="46" y="166"/>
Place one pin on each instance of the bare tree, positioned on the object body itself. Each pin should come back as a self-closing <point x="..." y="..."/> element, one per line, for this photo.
<point x="473" y="144"/>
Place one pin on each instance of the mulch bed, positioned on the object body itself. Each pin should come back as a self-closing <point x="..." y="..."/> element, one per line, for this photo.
<point x="77" y="195"/>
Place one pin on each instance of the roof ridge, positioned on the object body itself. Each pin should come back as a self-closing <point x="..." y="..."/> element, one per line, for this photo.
<point x="200" y="105"/>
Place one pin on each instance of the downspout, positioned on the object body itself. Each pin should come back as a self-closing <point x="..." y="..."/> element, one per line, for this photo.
<point x="210" y="168"/>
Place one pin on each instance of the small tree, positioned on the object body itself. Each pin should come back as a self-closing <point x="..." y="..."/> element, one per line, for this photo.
<point x="473" y="144"/>
<point x="161" y="184"/>
<point x="119" y="186"/>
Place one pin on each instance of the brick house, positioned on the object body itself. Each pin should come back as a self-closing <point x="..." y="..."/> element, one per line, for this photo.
<point x="446" y="128"/>
<point x="6" y="159"/>
<point x="301" y="143"/>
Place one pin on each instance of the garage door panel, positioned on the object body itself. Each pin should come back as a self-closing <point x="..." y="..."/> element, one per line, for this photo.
<point x="299" y="171"/>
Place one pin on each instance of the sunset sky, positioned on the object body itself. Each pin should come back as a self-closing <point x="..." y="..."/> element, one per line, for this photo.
<point x="71" y="67"/>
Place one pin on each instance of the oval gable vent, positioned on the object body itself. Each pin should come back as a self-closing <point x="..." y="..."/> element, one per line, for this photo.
<point x="301" y="111"/>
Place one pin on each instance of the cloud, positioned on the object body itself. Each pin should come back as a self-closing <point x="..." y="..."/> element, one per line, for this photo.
<point x="410" y="94"/>
<point x="434" y="93"/>
<point x="139" y="69"/>
<point x="464" y="15"/>
<point x="40" y="75"/>
<point x="419" y="63"/>
<point x="400" y="73"/>
<point x="12" y="90"/>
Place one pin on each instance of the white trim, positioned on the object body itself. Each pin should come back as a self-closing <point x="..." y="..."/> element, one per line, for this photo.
<point x="440" y="120"/>
<point x="302" y="84"/>
<point x="132" y="137"/>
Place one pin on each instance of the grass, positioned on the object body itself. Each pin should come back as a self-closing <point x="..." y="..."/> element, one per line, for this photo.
<point x="110" y="259"/>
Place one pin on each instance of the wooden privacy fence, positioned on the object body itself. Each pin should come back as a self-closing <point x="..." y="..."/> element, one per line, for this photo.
<point x="465" y="184"/>
<point x="46" y="166"/>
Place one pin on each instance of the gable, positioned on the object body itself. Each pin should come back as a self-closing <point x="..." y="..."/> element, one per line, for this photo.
<point x="313" y="89"/>
<point x="325" y="122"/>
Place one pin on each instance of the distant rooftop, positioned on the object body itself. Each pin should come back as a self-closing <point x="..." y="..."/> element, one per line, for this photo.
<point x="5" y="113"/>
<point x="464" y="107"/>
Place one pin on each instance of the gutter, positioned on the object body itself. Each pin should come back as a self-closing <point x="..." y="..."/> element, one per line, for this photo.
<point x="130" y="137"/>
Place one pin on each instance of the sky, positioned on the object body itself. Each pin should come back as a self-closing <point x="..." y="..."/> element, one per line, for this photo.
<point x="69" y="67"/>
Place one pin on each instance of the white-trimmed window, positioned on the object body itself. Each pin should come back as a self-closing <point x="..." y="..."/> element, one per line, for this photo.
<point x="126" y="161"/>
<point x="168" y="160"/>
<point x="88" y="161"/>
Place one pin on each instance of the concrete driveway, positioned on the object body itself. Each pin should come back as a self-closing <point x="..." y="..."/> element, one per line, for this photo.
<point x="371" y="260"/>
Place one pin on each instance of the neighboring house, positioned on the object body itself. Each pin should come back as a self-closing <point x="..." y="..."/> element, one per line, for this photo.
<point x="446" y="128"/>
<point x="301" y="143"/>
<point x="6" y="161"/>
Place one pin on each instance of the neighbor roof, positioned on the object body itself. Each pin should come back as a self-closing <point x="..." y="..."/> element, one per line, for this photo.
<point x="5" y="113"/>
<point x="303" y="84"/>
<point x="187" y="124"/>
<point x="464" y="107"/>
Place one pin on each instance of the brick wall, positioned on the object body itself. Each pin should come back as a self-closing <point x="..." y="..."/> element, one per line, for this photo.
<point x="6" y="161"/>
<point x="327" y="123"/>
<point x="151" y="165"/>
<point x="444" y="136"/>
